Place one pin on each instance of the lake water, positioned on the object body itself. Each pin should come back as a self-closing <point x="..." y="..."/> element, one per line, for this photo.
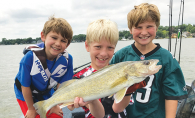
<point x="11" y="55"/>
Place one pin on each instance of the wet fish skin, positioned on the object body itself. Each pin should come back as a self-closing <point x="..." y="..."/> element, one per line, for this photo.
<point x="113" y="79"/>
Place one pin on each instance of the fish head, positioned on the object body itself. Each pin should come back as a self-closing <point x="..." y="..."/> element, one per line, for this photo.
<point x="142" y="69"/>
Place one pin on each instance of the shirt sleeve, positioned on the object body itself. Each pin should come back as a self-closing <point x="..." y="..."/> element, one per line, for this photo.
<point x="25" y="69"/>
<point x="174" y="83"/>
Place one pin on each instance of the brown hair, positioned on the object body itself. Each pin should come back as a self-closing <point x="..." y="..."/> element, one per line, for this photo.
<point x="58" y="25"/>
<point x="141" y="13"/>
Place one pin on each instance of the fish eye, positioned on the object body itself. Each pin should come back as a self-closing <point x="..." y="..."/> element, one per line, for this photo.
<point x="146" y="62"/>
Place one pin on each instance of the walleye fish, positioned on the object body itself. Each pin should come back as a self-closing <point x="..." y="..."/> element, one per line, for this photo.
<point x="110" y="80"/>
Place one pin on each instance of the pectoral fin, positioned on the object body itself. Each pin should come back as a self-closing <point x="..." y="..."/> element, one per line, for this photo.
<point x="110" y="96"/>
<point x="119" y="81"/>
<point x="119" y="95"/>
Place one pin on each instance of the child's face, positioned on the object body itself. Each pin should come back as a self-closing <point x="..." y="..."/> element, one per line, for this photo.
<point x="54" y="44"/>
<point x="144" y="33"/>
<point x="100" y="53"/>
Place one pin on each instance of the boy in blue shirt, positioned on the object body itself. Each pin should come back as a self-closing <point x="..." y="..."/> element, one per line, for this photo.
<point x="41" y="70"/>
<point x="159" y="98"/>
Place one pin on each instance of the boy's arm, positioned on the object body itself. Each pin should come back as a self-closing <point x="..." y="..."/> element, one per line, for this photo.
<point x="170" y="108"/>
<point x="119" y="107"/>
<point x="96" y="108"/>
<point x="26" y="91"/>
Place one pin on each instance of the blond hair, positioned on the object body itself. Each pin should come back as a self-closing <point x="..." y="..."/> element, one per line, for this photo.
<point x="60" y="26"/>
<point x="102" y="28"/>
<point x="141" y="13"/>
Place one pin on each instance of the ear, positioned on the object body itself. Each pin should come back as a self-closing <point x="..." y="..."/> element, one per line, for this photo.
<point x="43" y="37"/>
<point x="86" y="46"/>
<point x="67" y="45"/>
<point x="156" y="29"/>
<point x="130" y="31"/>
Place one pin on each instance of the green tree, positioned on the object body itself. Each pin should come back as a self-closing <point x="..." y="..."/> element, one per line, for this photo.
<point x="165" y="33"/>
<point x="159" y="33"/>
<point x="193" y="30"/>
<point x="4" y="41"/>
<point x="189" y="27"/>
<point x="126" y="34"/>
<point x="29" y="40"/>
<point x="18" y="41"/>
<point x="79" y="38"/>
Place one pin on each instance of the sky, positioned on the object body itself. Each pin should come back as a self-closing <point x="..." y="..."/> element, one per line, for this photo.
<point x="24" y="18"/>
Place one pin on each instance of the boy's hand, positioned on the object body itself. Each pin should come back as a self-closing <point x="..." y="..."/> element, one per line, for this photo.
<point x="136" y="86"/>
<point x="31" y="114"/>
<point x="57" y="110"/>
<point x="78" y="102"/>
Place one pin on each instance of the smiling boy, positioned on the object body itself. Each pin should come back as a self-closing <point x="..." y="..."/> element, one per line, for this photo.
<point x="40" y="70"/>
<point x="159" y="98"/>
<point x="101" y="39"/>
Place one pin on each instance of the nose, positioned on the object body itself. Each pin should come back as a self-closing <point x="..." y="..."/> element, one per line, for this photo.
<point x="144" y="31"/>
<point x="57" y="42"/>
<point x="104" y="52"/>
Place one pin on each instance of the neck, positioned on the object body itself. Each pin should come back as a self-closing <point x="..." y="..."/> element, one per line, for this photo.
<point x="146" y="48"/>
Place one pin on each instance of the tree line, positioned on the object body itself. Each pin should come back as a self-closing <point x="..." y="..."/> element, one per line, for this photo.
<point x="162" y="32"/>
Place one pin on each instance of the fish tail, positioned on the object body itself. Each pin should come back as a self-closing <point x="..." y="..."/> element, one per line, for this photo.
<point x="40" y="109"/>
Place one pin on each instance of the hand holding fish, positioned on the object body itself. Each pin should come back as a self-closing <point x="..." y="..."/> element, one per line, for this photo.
<point x="78" y="102"/>
<point x="95" y="106"/>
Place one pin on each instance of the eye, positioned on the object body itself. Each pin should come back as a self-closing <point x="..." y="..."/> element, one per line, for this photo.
<point x="98" y="47"/>
<point x="54" y="37"/>
<point x="138" y="27"/>
<point x="64" y="41"/>
<point x="146" y="62"/>
<point x="149" y="26"/>
<point x="110" y="48"/>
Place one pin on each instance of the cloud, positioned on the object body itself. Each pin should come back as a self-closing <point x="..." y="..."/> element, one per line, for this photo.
<point x="25" y="14"/>
<point x="23" y="19"/>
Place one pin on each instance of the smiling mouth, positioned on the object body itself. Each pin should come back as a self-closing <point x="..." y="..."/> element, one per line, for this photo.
<point x="55" y="48"/>
<point x="144" y="37"/>
<point x="101" y="59"/>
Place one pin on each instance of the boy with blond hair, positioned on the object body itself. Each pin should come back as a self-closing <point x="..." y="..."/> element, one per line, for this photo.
<point x="159" y="98"/>
<point x="40" y="70"/>
<point x="101" y="39"/>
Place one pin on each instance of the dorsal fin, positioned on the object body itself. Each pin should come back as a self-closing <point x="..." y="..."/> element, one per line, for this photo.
<point x="66" y="83"/>
<point x="100" y="70"/>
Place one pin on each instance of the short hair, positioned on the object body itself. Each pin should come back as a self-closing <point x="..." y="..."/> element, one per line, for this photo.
<point x="141" y="13"/>
<point x="60" y="26"/>
<point x="102" y="28"/>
